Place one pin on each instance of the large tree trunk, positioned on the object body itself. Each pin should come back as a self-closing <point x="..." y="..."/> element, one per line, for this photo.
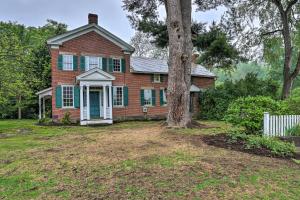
<point x="180" y="57"/>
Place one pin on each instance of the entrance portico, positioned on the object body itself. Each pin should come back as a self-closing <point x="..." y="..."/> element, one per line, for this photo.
<point x="95" y="97"/>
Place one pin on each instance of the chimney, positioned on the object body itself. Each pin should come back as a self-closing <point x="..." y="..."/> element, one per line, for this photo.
<point x="93" y="18"/>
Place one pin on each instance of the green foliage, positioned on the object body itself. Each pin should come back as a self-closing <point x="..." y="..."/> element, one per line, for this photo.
<point x="294" y="131"/>
<point x="248" y="112"/>
<point x="276" y="146"/>
<point x="66" y="120"/>
<point x="292" y="103"/>
<point x="24" y="66"/>
<point x="214" y="102"/>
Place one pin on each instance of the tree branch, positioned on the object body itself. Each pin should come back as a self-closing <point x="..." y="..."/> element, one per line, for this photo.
<point x="290" y="5"/>
<point x="271" y="32"/>
<point x="297" y="69"/>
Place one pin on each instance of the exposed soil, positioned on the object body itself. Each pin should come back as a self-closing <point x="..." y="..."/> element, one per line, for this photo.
<point x="223" y="141"/>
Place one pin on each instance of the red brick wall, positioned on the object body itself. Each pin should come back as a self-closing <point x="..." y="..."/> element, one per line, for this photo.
<point x="93" y="44"/>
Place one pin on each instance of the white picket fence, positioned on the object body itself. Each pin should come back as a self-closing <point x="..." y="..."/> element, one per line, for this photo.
<point x="277" y="125"/>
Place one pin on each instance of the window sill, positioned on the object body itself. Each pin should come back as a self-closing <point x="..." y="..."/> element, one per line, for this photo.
<point x="118" y="106"/>
<point x="69" y="108"/>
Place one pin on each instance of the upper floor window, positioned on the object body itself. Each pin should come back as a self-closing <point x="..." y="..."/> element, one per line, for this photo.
<point x="118" y="96"/>
<point x="117" y="65"/>
<point x="92" y="62"/>
<point x="68" y="96"/>
<point x="156" y="78"/>
<point x="68" y="62"/>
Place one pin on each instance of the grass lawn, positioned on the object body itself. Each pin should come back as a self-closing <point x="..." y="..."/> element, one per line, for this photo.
<point x="134" y="160"/>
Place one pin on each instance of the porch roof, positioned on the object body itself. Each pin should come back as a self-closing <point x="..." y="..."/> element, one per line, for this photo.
<point x="95" y="74"/>
<point x="45" y="92"/>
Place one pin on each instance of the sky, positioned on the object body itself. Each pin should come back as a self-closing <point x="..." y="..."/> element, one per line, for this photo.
<point x="74" y="13"/>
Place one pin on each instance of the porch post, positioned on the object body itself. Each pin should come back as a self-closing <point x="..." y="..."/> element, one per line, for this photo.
<point x="81" y="103"/>
<point x="44" y="109"/>
<point x="88" y="102"/>
<point x="110" y="101"/>
<point x="40" y="109"/>
<point x="104" y="101"/>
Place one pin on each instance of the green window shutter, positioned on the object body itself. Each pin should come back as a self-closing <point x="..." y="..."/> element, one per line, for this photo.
<point x="161" y="97"/>
<point x="75" y="63"/>
<point x="111" y="65"/>
<point x="76" y="96"/>
<point x="82" y="63"/>
<point x="153" y="98"/>
<point x="125" y="96"/>
<point x="104" y="64"/>
<point x="162" y="78"/>
<point x="123" y="64"/>
<point x="60" y="62"/>
<point x="58" y="97"/>
<point x="112" y="95"/>
<point x="142" y="98"/>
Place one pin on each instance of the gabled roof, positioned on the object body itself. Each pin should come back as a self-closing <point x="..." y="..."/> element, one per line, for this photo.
<point x="95" y="74"/>
<point x="58" y="40"/>
<point x="152" y="65"/>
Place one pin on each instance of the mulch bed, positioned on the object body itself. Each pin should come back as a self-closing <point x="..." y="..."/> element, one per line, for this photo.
<point x="223" y="141"/>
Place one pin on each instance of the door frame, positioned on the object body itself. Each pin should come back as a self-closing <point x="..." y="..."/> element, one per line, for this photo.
<point x="100" y="100"/>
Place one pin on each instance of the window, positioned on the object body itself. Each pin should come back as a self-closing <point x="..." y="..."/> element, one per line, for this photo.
<point x="118" y="96"/>
<point x="68" y="96"/>
<point x="156" y="78"/>
<point x="93" y="62"/>
<point x="68" y="62"/>
<point x="148" y="97"/>
<point x="117" y="65"/>
<point x="164" y="97"/>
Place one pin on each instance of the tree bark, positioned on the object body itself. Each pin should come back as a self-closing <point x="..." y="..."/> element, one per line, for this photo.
<point x="180" y="58"/>
<point x="19" y="108"/>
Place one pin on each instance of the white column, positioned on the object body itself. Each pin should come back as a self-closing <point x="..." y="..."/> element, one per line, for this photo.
<point x="88" y="102"/>
<point x="40" y="108"/>
<point x="44" y="109"/>
<point x="104" y="101"/>
<point x="110" y="101"/>
<point x="81" y="103"/>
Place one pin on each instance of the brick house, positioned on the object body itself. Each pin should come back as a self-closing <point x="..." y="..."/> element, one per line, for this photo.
<point x="96" y="80"/>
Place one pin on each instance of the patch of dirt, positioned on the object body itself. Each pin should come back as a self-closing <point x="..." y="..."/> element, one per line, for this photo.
<point x="194" y="124"/>
<point x="223" y="141"/>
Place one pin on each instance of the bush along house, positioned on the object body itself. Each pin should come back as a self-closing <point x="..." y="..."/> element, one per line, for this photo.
<point x="96" y="80"/>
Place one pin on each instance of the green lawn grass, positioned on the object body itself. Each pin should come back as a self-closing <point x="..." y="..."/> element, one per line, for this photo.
<point x="134" y="160"/>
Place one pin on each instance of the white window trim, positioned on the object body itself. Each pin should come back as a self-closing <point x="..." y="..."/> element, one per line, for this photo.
<point x="87" y="62"/>
<point x="120" y="59"/>
<point x="114" y="89"/>
<point x="156" y="81"/>
<point x="63" y="63"/>
<point x="62" y="96"/>
<point x="148" y="105"/>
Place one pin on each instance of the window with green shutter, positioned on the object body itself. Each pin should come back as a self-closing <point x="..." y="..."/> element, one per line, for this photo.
<point x="60" y="62"/>
<point x="76" y="96"/>
<point x="104" y="64"/>
<point x="123" y="65"/>
<point x="110" y="65"/>
<point x="82" y="63"/>
<point x="153" y="98"/>
<point x="162" y="97"/>
<point x="125" y="89"/>
<point x="58" y="97"/>
<point x="142" y="98"/>
<point x="75" y="63"/>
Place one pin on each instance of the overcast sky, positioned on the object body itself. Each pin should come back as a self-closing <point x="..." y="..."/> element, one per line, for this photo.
<point x="74" y="14"/>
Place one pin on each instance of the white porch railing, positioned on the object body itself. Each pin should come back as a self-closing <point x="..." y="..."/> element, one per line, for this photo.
<point x="277" y="125"/>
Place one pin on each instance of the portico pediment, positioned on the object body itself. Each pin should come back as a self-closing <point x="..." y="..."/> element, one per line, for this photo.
<point x="95" y="75"/>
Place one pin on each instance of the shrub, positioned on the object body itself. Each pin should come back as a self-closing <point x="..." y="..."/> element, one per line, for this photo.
<point x="45" y="120"/>
<point x="292" y="103"/>
<point x="276" y="146"/>
<point x="294" y="131"/>
<point x="215" y="102"/>
<point x="248" y="112"/>
<point x="66" y="119"/>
